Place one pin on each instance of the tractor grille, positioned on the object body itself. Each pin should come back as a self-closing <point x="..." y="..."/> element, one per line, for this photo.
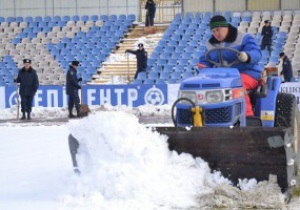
<point x="212" y="116"/>
<point x="218" y="115"/>
<point x="184" y="116"/>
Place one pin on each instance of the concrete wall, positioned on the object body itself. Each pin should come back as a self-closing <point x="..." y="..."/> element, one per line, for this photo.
<point x="67" y="7"/>
<point x="239" y="5"/>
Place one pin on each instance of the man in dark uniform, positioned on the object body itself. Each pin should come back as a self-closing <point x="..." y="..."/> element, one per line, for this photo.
<point x="29" y="83"/>
<point x="141" y="56"/>
<point x="150" y="13"/>
<point x="72" y="89"/>
<point x="267" y="34"/>
<point x="287" y="71"/>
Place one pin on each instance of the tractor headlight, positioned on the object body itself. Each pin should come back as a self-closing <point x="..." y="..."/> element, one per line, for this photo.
<point x="215" y="96"/>
<point x="190" y="95"/>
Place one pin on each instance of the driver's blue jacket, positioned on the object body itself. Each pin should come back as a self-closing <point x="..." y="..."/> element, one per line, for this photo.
<point x="238" y="41"/>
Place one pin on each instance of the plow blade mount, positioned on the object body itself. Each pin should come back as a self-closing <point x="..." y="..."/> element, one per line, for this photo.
<point x="241" y="152"/>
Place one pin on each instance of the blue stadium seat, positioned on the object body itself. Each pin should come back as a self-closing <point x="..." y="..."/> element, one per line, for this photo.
<point x="198" y="16"/>
<point x="38" y="19"/>
<point x="10" y="19"/>
<point x="172" y="81"/>
<point x="137" y="82"/>
<point x="75" y="18"/>
<point x="66" y="18"/>
<point x="175" y="75"/>
<point x="94" y="18"/>
<point x="194" y="61"/>
<point x="142" y="76"/>
<point x="165" y="55"/>
<point x="183" y="43"/>
<point x="179" y="68"/>
<point x="56" y="18"/>
<point x="91" y="70"/>
<point x="162" y="61"/>
<point x="18" y="19"/>
<point x="113" y="17"/>
<point x="85" y="18"/>
<point x="16" y="41"/>
<point x="28" y="19"/>
<point x="168" y="68"/>
<point x="172" y="61"/>
<point x="149" y="81"/>
<point x="153" y="75"/>
<point x="104" y="18"/>
<point x="176" y="55"/>
<point x="160" y="81"/>
<point x="173" y="43"/>
<point x="122" y="17"/>
<point x="187" y="74"/>
<point x="2" y="19"/>
<point x="131" y="17"/>
<point x="157" y="68"/>
<point x="47" y="19"/>
<point x="164" y="75"/>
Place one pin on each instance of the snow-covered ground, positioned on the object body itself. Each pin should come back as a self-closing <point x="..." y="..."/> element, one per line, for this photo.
<point x="124" y="165"/>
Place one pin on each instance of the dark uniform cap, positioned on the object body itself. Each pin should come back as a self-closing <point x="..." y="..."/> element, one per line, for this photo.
<point x="26" y="61"/>
<point x="218" y="21"/>
<point x="140" y="45"/>
<point x="75" y="63"/>
<point x="267" y="21"/>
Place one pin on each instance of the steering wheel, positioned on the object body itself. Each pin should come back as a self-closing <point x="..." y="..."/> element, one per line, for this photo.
<point x="222" y="63"/>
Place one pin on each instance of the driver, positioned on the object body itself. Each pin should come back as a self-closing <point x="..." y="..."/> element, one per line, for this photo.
<point x="225" y="35"/>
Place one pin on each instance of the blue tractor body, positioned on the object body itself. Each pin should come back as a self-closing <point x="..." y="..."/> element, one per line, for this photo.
<point x="220" y="92"/>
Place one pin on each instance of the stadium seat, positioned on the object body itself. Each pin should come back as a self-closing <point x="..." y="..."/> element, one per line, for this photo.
<point x="149" y="81"/>
<point x="153" y="75"/>
<point x="94" y="18"/>
<point x="142" y="76"/>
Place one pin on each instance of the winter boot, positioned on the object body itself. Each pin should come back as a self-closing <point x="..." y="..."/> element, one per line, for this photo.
<point x="79" y="114"/>
<point x="23" y="116"/>
<point x="28" y="116"/>
<point x="71" y="114"/>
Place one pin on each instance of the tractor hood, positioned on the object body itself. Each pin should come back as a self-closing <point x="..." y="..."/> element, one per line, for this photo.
<point x="211" y="78"/>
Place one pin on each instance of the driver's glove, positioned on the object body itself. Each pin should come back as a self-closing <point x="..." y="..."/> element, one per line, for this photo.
<point x="243" y="57"/>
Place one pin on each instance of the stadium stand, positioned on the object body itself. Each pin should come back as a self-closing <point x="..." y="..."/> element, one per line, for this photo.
<point x="53" y="42"/>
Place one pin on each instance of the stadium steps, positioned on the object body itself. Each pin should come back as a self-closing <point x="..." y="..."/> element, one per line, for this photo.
<point x="124" y="68"/>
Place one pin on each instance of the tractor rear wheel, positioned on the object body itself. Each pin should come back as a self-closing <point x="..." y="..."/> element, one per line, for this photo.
<point x="287" y="115"/>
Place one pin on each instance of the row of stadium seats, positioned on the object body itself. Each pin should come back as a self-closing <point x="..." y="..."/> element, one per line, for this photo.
<point x="52" y="43"/>
<point x="66" y="18"/>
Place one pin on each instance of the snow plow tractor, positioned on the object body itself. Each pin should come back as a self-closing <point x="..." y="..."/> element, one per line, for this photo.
<point x="210" y="122"/>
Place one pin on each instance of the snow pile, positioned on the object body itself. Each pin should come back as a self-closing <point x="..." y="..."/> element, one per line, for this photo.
<point x="124" y="165"/>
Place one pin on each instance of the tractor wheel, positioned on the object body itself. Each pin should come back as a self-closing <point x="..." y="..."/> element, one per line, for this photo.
<point x="287" y="115"/>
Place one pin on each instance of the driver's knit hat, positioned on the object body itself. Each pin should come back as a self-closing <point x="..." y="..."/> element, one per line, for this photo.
<point x="218" y="21"/>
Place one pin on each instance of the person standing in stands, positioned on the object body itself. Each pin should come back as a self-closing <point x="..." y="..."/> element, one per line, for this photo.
<point x="150" y="13"/>
<point x="141" y="56"/>
<point x="287" y="71"/>
<point x="72" y="89"/>
<point x="267" y="34"/>
<point x="225" y="36"/>
<point x="29" y="83"/>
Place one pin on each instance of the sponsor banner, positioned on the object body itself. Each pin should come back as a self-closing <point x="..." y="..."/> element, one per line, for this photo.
<point x="130" y="95"/>
<point x="293" y="88"/>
